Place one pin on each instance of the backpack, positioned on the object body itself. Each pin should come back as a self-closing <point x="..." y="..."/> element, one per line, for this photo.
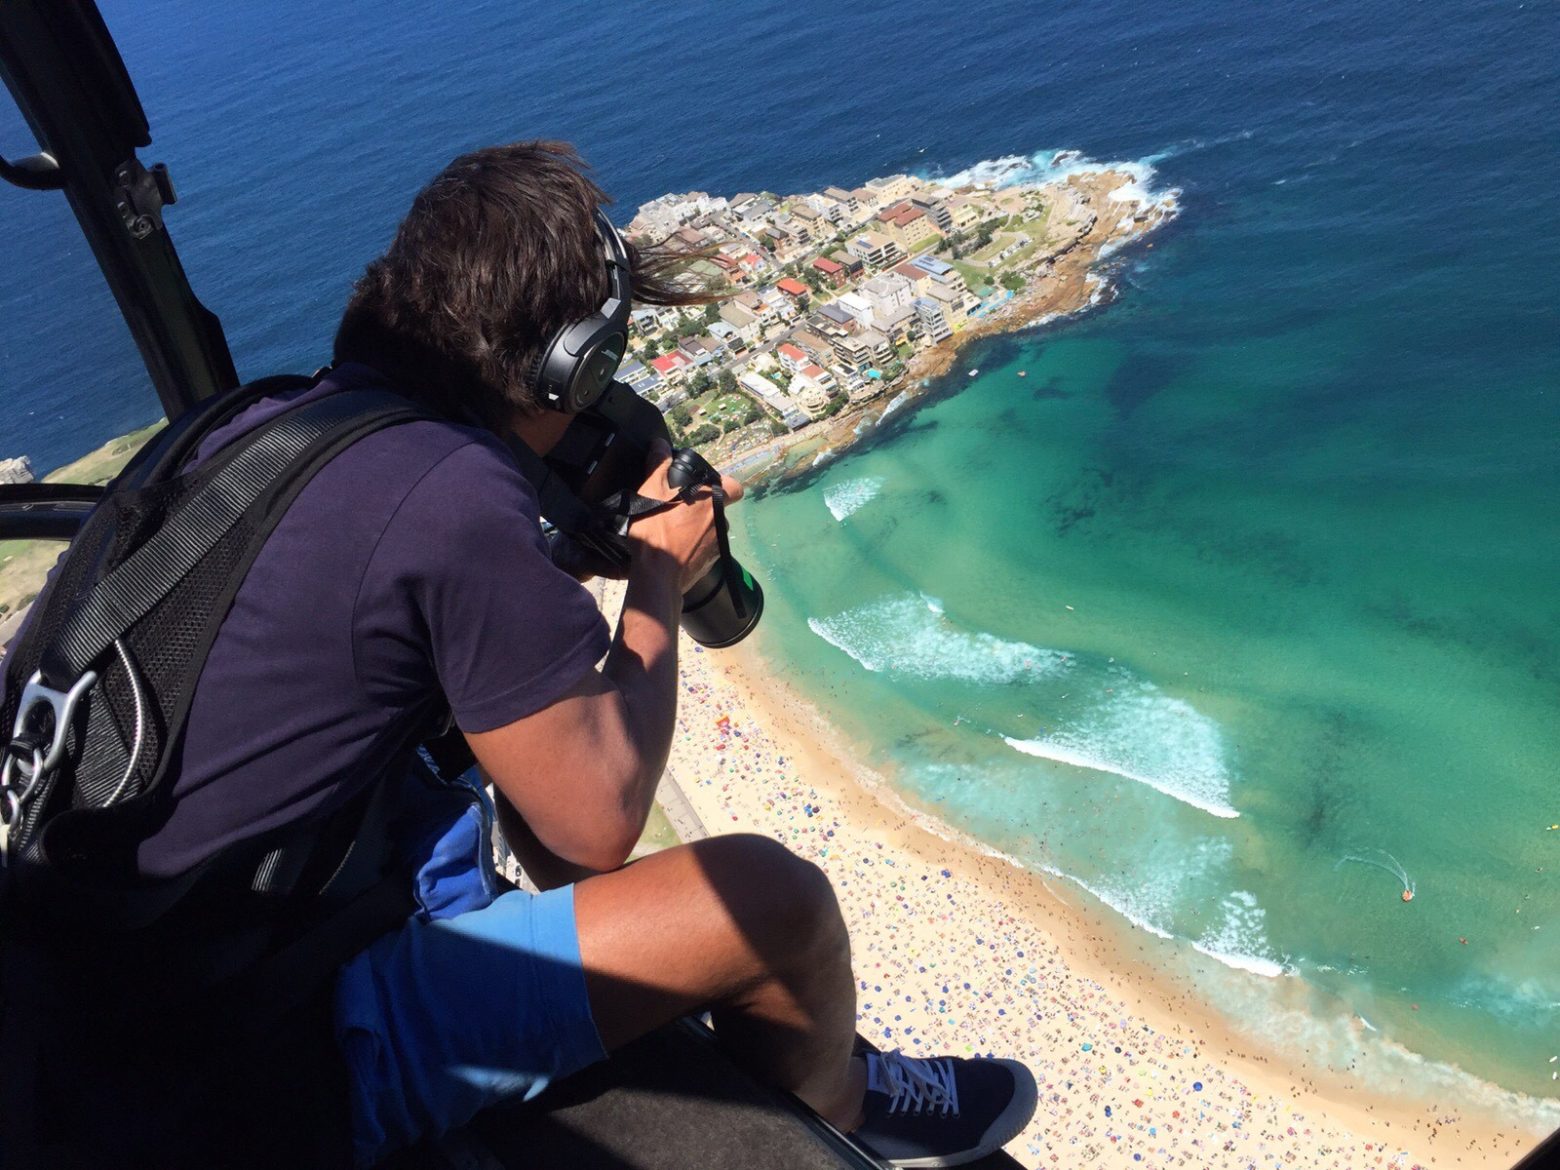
<point x="164" y="1022"/>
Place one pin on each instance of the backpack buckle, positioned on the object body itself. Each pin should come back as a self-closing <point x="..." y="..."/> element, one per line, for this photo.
<point x="37" y="741"/>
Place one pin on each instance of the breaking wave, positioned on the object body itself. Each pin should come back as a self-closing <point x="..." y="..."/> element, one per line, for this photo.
<point x="910" y="635"/>
<point x="1056" y="166"/>
<point x="1240" y="939"/>
<point x="843" y="499"/>
<point x="1142" y="734"/>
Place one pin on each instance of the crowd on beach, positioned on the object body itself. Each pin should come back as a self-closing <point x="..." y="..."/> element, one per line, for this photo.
<point x="965" y="953"/>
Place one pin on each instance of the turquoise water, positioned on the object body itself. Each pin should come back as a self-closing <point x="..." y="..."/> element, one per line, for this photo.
<point x="1297" y="485"/>
<point x="1227" y="618"/>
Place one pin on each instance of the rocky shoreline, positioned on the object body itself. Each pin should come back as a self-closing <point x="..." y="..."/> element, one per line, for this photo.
<point x="1062" y="283"/>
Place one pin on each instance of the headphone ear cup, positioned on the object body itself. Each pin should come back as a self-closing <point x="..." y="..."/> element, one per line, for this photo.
<point x="538" y="383"/>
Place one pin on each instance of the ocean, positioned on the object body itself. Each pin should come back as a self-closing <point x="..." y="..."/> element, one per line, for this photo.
<point x="1233" y="600"/>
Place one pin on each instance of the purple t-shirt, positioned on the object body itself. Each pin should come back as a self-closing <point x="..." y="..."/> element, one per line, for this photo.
<point x="413" y="563"/>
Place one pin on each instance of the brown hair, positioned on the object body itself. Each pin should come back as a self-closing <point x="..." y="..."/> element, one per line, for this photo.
<point x="498" y="253"/>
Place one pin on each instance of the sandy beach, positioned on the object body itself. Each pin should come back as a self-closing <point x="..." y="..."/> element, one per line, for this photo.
<point x="962" y="952"/>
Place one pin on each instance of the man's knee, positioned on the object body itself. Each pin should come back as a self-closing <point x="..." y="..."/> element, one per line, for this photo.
<point x="770" y="889"/>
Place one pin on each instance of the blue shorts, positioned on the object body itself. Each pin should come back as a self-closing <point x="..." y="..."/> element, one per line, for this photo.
<point x="480" y="996"/>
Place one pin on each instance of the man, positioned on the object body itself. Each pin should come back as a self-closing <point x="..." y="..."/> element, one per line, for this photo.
<point x="411" y="572"/>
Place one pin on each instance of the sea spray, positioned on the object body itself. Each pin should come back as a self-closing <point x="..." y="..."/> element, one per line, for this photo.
<point x="894" y="404"/>
<point x="1048" y="166"/>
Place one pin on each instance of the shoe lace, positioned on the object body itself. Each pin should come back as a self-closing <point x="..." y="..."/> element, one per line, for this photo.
<point x="917" y="1084"/>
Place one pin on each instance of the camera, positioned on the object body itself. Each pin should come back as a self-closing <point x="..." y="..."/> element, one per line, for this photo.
<point x="590" y="495"/>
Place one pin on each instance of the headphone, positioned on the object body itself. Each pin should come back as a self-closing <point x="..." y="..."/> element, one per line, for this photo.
<point x="577" y="365"/>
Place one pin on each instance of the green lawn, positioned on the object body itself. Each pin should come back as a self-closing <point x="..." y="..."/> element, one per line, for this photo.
<point x="25" y="563"/>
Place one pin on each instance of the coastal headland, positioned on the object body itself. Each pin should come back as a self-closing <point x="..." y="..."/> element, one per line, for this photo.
<point x="840" y="306"/>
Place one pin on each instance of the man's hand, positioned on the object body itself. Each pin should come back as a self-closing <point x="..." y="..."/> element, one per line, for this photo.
<point x="582" y="772"/>
<point x="683" y="534"/>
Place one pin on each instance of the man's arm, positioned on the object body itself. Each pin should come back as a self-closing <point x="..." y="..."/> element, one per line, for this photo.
<point x="582" y="772"/>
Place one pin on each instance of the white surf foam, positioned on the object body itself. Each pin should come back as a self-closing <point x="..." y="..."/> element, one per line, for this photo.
<point x="1125" y="904"/>
<point x="843" y="499"/>
<point x="1240" y="938"/>
<point x="909" y="635"/>
<point x="1142" y="734"/>
<point x="894" y="404"/>
<point x="1053" y="166"/>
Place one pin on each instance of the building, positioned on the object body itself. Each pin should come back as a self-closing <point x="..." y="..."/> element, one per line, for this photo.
<point x="672" y="368"/>
<point x="952" y="302"/>
<point x="935" y="267"/>
<point x="931" y="201"/>
<point x="791" y="357"/>
<point x="668" y="316"/>
<point x="932" y="318"/>
<point x="690" y="238"/>
<point x="711" y="345"/>
<point x="640" y="377"/>
<point x="865" y="350"/>
<point x="763" y="310"/>
<point x="813" y="397"/>
<point x="898" y="323"/>
<point x="792" y="288"/>
<point x="811" y="220"/>
<point x="731" y="271"/>
<point x="832" y="271"/>
<point x="867" y="201"/>
<point x="964" y="213"/>
<point x="814" y="346"/>
<point x="905" y="224"/>
<point x="661" y="217"/>
<point x="816" y="374"/>
<point x="920" y="279"/>
<point x="742" y="320"/>
<point x="783" y="306"/>
<point x="844" y="201"/>
<point x="831" y="321"/>
<point x="642" y="323"/>
<point x="886" y="292"/>
<point x="874" y="249"/>
<point x="892" y="187"/>
<point x="730" y="337"/>
<point x="859" y="308"/>
<point x="854" y="268"/>
<point x="771" y="398"/>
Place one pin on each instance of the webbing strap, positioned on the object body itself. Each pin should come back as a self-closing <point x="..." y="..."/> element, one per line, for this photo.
<point x="128" y="593"/>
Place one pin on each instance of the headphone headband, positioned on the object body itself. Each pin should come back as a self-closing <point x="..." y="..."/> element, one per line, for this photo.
<point x="577" y="365"/>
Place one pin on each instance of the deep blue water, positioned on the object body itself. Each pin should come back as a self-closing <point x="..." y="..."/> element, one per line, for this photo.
<point x="1357" y="309"/>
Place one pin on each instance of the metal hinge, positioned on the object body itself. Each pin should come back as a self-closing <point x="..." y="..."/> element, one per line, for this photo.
<point x="141" y="194"/>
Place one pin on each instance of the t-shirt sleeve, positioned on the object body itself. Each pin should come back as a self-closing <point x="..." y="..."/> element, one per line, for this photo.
<point x="465" y="560"/>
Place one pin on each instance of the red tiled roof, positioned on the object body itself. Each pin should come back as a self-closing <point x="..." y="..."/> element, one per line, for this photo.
<point x="792" y="352"/>
<point x="789" y="285"/>
<point x="669" y="362"/>
<point x="824" y="264"/>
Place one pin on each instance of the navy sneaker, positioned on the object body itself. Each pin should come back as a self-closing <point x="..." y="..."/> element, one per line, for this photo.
<point x="942" y="1111"/>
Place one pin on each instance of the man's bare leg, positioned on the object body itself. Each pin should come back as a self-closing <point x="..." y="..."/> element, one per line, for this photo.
<point x="742" y="927"/>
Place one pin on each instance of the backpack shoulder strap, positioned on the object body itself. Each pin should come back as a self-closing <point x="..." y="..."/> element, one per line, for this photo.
<point x="253" y="481"/>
